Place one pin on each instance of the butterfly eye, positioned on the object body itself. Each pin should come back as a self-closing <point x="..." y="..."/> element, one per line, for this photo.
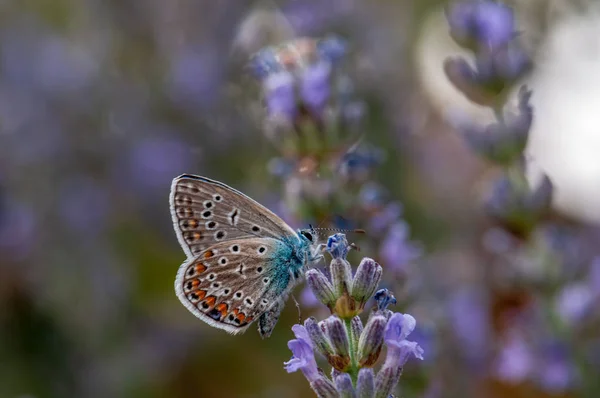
<point x="307" y="235"/>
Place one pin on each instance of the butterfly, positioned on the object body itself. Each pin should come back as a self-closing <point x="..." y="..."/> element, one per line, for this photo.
<point x="242" y="259"/>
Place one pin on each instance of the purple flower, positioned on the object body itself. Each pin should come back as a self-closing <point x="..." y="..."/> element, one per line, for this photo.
<point x="555" y="370"/>
<point x="315" y="88"/>
<point x="397" y="330"/>
<point x="264" y="63"/>
<point x="382" y="219"/>
<point x="502" y="142"/>
<point x="514" y="204"/>
<point x="493" y="73"/>
<point x="303" y="355"/>
<point x="280" y="95"/>
<point x="516" y="359"/>
<point x="486" y="23"/>
<point x="396" y="250"/>
<point x="337" y="246"/>
<point x="384" y="298"/>
<point x="332" y="48"/>
<point x="399" y="352"/>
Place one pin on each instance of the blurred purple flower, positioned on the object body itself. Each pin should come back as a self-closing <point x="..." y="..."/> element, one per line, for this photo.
<point x="64" y="67"/>
<point x="469" y="319"/>
<point x="312" y="16"/>
<point x="84" y="204"/>
<point x="397" y="251"/>
<point x="516" y="360"/>
<point x="315" y="88"/>
<point x="280" y="95"/>
<point x="492" y="74"/>
<point x="332" y="48"/>
<point x="264" y="63"/>
<point x="17" y="229"/>
<point x="487" y="23"/>
<point x="194" y="78"/>
<point x="385" y="217"/>
<point x="502" y="142"/>
<point x="156" y="161"/>
<point x="574" y="302"/>
<point x="372" y="195"/>
<point x="555" y="370"/>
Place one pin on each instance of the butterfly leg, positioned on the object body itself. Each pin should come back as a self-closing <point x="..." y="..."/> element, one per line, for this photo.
<point x="268" y="320"/>
<point x="317" y="252"/>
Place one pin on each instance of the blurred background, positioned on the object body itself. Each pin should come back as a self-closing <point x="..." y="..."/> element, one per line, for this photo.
<point x="103" y="103"/>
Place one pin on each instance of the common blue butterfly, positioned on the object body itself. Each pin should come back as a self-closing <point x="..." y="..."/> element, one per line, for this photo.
<point x="242" y="259"/>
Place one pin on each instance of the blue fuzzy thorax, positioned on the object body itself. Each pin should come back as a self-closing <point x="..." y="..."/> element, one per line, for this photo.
<point x="289" y="259"/>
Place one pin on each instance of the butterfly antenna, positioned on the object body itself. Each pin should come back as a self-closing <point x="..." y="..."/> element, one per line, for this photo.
<point x="356" y="231"/>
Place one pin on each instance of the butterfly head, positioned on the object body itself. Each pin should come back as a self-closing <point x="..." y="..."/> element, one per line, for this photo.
<point x="309" y="235"/>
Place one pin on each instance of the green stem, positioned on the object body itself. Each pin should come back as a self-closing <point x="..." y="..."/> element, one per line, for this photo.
<point x="353" y="371"/>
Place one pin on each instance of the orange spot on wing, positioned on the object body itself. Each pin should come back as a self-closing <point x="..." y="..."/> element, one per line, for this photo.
<point x="196" y="235"/>
<point x="236" y="311"/>
<point x="201" y="294"/>
<point x="241" y="316"/>
<point x="249" y="319"/>
<point x="208" y="254"/>
<point x="200" y="268"/>
<point x="222" y="308"/>
<point x="210" y="300"/>
<point x="193" y="223"/>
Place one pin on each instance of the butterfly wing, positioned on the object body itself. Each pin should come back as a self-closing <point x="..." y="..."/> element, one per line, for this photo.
<point x="205" y="211"/>
<point x="233" y="283"/>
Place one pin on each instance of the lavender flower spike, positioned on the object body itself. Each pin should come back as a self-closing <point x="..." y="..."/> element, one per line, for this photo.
<point x="399" y="351"/>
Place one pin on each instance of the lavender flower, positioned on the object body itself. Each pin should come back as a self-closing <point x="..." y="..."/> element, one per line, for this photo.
<point x="349" y="348"/>
<point x="488" y="29"/>
<point x="502" y="142"/>
<point x="477" y="23"/>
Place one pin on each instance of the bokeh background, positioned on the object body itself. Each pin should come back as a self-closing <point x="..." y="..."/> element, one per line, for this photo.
<point x="102" y="103"/>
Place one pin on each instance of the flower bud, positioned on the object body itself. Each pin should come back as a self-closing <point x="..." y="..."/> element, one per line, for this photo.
<point x="343" y="382"/>
<point x="339" y="340"/>
<point x="324" y="388"/>
<point x="371" y="341"/>
<point x="366" y="280"/>
<point x="356" y="328"/>
<point x="365" y="386"/>
<point x="318" y="338"/>
<point x="321" y="287"/>
<point x="387" y="379"/>
<point x="384" y="298"/>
